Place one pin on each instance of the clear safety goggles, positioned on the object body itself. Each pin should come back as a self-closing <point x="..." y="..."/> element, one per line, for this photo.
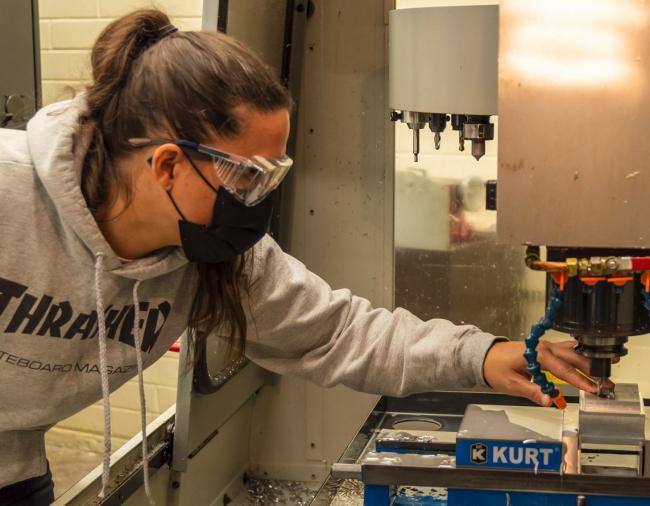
<point x="249" y="180"/>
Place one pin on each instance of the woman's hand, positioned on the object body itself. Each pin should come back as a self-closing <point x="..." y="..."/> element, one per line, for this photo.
<point x="504" y="368"/>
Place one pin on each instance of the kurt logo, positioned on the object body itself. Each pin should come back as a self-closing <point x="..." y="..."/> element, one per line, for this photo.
<point x="522" y="455"/>
<point x="509" y="454"/>
<point x="478" y="453"/>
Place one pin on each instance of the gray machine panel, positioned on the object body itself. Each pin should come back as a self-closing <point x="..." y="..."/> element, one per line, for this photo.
<point x="574" y="108"/>
<point x="429" y="73"/>
<point x="19" y="62"/>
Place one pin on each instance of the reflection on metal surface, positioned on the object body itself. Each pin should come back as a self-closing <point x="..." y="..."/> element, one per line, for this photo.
<point x="573" y="112"/>
<point x="409" y="460"/>
<point x="215" y="365"/>
<point x="610" y="12"/>
<point x="584" y="43"/>
<point x="570" y="455"/>
<point x="416" y="424"/>
<point x="478" y="283"/>
<point x="415" y="441"/>
<point x="447" y="262"/>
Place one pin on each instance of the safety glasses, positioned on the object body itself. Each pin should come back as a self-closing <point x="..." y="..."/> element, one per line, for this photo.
<point x="249" y="180"/>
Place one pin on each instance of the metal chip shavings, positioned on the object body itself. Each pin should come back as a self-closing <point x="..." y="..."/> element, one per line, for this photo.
<point x="269" y="492"/>
<point x="345" y="492"/>
<point x="333" y="493"/>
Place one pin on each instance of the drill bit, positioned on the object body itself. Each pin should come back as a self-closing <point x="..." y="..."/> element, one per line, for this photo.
<point x="605" y="392"/>
<point x="436" y="140"/>
<point x="478" y="149"/>
<point x="416" y="143"/>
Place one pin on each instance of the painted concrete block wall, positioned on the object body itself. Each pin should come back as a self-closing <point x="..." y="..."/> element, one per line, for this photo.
<point x="68" y="29"/>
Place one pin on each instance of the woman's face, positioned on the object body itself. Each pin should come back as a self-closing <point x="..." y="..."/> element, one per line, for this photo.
<point x="263" y="133"/>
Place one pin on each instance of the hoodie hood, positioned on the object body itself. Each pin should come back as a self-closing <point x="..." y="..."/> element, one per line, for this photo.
<point x="57" y="144"/>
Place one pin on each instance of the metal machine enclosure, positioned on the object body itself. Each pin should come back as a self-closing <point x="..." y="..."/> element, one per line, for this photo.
<point x="20" y="87"/>
<point x="434" y="68"/>
<point x="573" y="112"/>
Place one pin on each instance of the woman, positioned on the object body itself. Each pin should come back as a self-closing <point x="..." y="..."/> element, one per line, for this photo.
<point x="139" y="208"/>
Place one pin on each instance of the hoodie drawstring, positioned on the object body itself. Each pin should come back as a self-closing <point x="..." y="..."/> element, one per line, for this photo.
<point x="143" y="406"/>
<point x="103" y="367"/>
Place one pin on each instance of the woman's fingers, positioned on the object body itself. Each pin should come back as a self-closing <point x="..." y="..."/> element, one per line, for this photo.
<point x="516" y="384"/>
<point x="563" y="369"/>
<point x="523" y="387"/>
<point x="566" y="351"/>
<point x="504" y="369"/>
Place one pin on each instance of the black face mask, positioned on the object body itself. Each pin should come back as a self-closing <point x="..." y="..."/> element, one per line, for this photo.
<point x="234" y="228"/>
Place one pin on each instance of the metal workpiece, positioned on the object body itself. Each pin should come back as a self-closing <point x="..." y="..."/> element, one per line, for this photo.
<point x="618" y="420"/>
<point x="612" y="461"/>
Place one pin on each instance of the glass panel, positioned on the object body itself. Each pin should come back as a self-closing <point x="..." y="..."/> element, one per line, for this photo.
<point x="447" y="262"/>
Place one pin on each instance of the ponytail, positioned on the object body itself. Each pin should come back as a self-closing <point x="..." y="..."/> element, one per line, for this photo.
<point x="186" y="85"/>
<point x="113" y="54"/>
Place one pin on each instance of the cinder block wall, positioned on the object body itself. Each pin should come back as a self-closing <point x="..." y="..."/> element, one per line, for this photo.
<point x="68" y="29"/>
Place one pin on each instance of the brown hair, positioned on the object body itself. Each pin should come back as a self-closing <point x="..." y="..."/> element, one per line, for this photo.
<point x="188" y="85"/>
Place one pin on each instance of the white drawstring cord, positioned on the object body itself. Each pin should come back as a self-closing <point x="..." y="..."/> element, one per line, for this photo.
<point x="99" y="297"/>
<point x="143" y="407"/>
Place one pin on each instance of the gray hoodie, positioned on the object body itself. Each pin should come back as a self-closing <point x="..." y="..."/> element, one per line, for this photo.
<point x="56" y="270"/>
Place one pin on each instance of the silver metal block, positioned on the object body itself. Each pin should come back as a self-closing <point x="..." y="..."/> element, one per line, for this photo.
<point x="613" y="421"/>
<point x="612" y="433"/>
<point x="624" y="460"/>
<point x="511" y="423"/>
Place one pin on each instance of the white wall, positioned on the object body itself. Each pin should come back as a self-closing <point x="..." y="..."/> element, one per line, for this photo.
<point x="68" y="29"/>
